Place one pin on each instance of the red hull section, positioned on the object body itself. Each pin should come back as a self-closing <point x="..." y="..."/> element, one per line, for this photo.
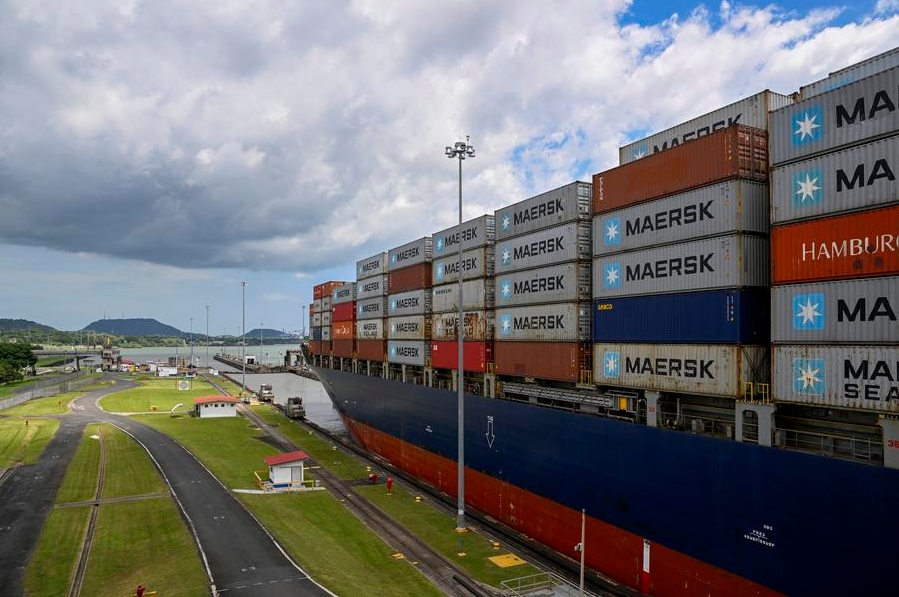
<point x="616" y="553"/>
<point x="475" y="355"/>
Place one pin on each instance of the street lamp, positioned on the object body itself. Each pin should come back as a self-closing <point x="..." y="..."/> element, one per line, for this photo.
<point x="461" y="150"/>
<point x="207" y="336"/>
<point x="243" y="313"/>
<point x="191" y="342"/>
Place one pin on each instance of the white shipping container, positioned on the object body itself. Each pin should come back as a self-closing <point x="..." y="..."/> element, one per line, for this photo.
<point x="410" y="327"/>
<point x="343" y="294"/>
<point x="476" y="263"/>
<point x="549" y="246"/>
<point x="418" y="251"/>
<point x="478" y="326"/>
<point x="860" y="177"/>
<point x="371" y="287"/>
<point x="326" y="333"/>
<point x="862" y="377"/>
<point x="860" y="111"/>
<point x="554" y="322"/>
<point x="718" y="370"/>
<point x="326" y="318"/>
<point x="722" y="262"/>
<point x="727" y="207"/>
<point x="565" y="282"/>
<point x="326" y="303"/>
<point x="472" y="234"/>
<point x="476" y="294"/>
<point x="316" y="320"/>
<point x="317" y="306"/>
<point x="751" y="111"/>
<point x="370" y="329"/>
<point x="373" y="308"/>
<point x="409" y="352"/>
<point x="566" y="204"/>
<point x="376" y="265"/>
<point x="851" y="74"/>
<point x="413" y="302"/>
<point x="864" y="310"/>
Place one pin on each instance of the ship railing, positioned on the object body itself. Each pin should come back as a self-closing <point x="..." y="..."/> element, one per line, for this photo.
<point x="699" y="424"/>
<point x="544" y="584"/>
<point x="838" y="446"/>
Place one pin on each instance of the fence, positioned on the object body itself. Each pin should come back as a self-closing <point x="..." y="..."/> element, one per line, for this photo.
<point x="47" y="387"/>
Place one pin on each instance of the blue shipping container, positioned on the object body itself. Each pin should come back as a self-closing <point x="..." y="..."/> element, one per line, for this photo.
<point x="714" y="316"/>
<point x="316" y="333"/>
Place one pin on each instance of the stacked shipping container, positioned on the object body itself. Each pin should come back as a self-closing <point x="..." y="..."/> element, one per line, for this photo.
<point x="321" y="317"/>
<point x="371" y="307"/>
<point x="343" y="320"/>
<point x="409" y="303"/>
<point x="835" y="243"/>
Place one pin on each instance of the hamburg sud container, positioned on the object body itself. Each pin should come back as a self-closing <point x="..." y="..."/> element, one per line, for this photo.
<point x="371" y="287"/>
<point x="476" y="263"/>
<point x="554" y="322"/>
<point x="852" y="73"/>
<point x="855" y="245"/>
<point x="410" y="327"/>
<point x="564" y="282"/>
<point x="475" y="355"/>
<point x="734" y="152"/>
<point x="751" y="111"/>
<point x="731" y="206"/>
<point x="478" y="326"/>
<point x="709" y="317"/>
<point x="409" y="352"/>
<point x="376" y="265"/>
<point x="343" y="294"/>
<point x="860" y="311"/>
<point x="719" y="370"/>
<point x="856" y="178"/>
<point x="373" y="308"/>
<point x="326" y="318"/>
<point x="471" y="234"/>
<point x="370" y="329"/>
<point x="721" y="262"/>
<point x="476" y="294"/>
<point x="864" y="377"/>
<point x="547" y="210"/>
<point x="567" y="242"/>
<point x="562" y="361"/>
<point x="863" y="110"/>
<point x="414" y="302"/>
<point x="316" y="320"/>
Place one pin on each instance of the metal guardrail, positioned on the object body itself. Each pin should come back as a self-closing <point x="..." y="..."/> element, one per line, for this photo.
<point x="47" y="387"/>
<point x="544" y="584"/>
<point x="849" y="448"/>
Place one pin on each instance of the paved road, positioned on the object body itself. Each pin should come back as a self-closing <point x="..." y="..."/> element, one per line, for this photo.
<point x="242" y="559"/>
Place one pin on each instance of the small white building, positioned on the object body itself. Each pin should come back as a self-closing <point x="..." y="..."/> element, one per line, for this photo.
<point x="286" y="470"/>
<point x="165" y="371"/>
<point x="207" y="407"/>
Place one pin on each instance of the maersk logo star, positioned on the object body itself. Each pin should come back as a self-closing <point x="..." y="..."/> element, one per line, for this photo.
<point x="610" y="363"/>
<point x="506" y="256"/>
<point x="439" y="273"/>
<point x="505" y="289"/>
<point x="613" y="231"/>
<point x="507" y="222"/>
<point x="505" y="324"/>
<point x="808" y="376"/>
<point x="392" y="305"/>
<point x="808" y="126"/>
<point x="639" y="152"/>
<point x="612" y="275"/>
<point x="440" y="245"/>
<point x="393" y="259"/>
<point x="807" y="187"/>
<point x="808" y="311"/>
<point x="393" y="351"/>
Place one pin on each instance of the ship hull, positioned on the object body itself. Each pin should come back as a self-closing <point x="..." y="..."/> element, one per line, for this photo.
<point x="722" y="518"/>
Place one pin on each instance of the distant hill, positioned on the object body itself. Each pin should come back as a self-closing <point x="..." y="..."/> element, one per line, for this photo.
<point x="15" y="325"/>
<point x="267" y="334"/>
<point x="133" y="327"/>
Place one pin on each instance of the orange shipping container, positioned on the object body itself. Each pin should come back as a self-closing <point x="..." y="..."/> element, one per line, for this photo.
<point x="857" y="245"/>
<point x="372" y="350"/>
<point x="343" y="348"/>
<point x="315" y="346"/>
<point x="733" y="152"/>
<point x="562" y="361"/>
<point x="343" y="330"/>
<point x="413" y="277"/>
<point x="323" y="290"/>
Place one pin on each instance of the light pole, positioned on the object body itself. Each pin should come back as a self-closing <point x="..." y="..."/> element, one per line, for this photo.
<point x="243" y="313"/>
<point x="260" y="342"/>
<point x="461" y="150"/>
<point x="207" y="336"/>
<point x="191" y="342"/>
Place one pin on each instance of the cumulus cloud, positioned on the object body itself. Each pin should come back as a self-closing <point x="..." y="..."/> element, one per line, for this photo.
<point x="237" y="135"/>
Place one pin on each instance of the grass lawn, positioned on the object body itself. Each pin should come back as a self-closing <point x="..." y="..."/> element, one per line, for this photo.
<point x="53" y="564"/>
<point x="80" y="482"/>
<point x="22" y="443"/>
<point x="133" y="473"/>
<point x="163" y="393"/>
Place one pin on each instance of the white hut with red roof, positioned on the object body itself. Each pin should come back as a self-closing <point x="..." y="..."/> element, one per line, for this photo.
<point x="216" y="406"/>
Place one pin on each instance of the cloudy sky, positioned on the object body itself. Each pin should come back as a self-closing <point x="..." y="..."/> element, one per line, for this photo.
<point x="155" y="153"/>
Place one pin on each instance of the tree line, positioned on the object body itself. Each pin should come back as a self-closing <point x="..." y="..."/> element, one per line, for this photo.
<point x="14" y="359"/>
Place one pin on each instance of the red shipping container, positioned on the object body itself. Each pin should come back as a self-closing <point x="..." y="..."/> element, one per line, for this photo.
<point x="371" y="350"/>
<point x="315" y="346"/>
<point x="343" y="330"/>
<point x="343" y="348"/>
<point x="343" y="311"/>
<point x="475" y="355"/>
<point x="857" y="245"/>
<point x="324" y="289"/>
<point x="732" y="152"/>
<point x="409" y="278"/>
<point x="562" y="361"/>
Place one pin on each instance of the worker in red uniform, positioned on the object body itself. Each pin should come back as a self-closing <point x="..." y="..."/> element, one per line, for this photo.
<point x="389" y="485"/>
<point x="140" y="590"/>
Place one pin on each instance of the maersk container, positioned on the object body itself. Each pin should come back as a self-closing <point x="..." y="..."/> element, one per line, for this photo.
<point x="732" y="206"/>
<point x="326" y="318"/>
<point x="317" y="332"/>
<point x="343" y="294"/>
<point x="478" y="326"/>
<point x="476" y="263"/>
<point x="414" y="302"/>
<point x="326" y="303"/>
<point x="409" y="327"/>
<point x="570" y="203"/>
<point x="717" y="370"/>
<point x="710" y="317"/>
<point x="409" y="278"/>
<point x="855" y="245"/>
<point x="373" y="308"/>
<point x="561" y="361"/>
<point x="409" y="352"/>
<point x="862" y="377"/>
<point x="343" y="348"/>
<point x="317" y="306"/>
<point x="370" y="329"/>
<point x="549" y="246"/>
<point x="554" y="322"/>
<point x="475" y="355"/>
<point x="343" y="330"/>
<point x="418" y="251"/>
<point x="344" y="311"/>
<point x="326" y="333"/>
<point x="852" y="179"/>
<point x="316" y="320"/>
<point x="864" y="310"/>
<point x="371" y="350"/>
<point x="564" y="282"/>
<point x="376" y="265"/>
<point x="472" y="234"/>
<point x="722" y="262"/>
<point x="851" y="73"/>
<point x="854" y="113"/>
<point x="751" y="111"/>
<point x="476" y="294"/>
<point x="371" y="287"/>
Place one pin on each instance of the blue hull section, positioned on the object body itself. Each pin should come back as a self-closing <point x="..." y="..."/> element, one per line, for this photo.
<point x="828" y="525"/>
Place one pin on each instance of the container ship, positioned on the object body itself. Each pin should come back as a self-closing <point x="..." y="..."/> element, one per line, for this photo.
<point x="699" y="349"/>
